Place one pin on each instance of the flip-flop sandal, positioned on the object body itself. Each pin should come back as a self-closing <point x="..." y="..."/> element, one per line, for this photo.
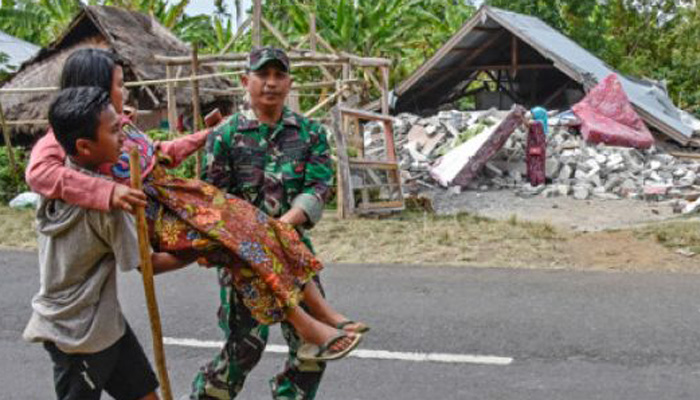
<point x="312" y="352"/>
<point x="361" y="326"/>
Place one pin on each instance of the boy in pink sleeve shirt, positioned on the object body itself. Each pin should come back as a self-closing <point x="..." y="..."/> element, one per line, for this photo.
<point x="47" y="175"/>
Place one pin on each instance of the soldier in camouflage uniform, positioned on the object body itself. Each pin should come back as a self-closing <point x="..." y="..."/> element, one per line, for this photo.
<point x="278" y="161"/>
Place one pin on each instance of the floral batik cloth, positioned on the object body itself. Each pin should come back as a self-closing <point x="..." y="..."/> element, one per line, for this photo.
<point x="268" y="262"/>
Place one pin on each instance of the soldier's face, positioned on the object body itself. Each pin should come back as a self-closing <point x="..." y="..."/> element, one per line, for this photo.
<point x="268" y="86"/>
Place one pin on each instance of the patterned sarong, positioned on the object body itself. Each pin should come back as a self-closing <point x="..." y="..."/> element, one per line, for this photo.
<point x="269" y="262"/>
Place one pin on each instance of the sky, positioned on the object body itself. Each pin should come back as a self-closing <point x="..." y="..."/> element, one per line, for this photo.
<point x="207" y="7"/>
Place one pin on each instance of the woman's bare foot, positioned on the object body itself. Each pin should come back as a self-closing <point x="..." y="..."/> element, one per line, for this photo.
<point x="320" y="309"/>
<point x="316" y="332"/>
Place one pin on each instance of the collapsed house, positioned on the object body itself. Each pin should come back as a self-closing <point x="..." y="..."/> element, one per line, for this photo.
<point x="136" y="38"/>
<point x="598" y="146"/>
<point x="531" y="64"/>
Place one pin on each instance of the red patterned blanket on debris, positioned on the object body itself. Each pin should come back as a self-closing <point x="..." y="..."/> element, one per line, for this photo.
<point x="608" y="117"/>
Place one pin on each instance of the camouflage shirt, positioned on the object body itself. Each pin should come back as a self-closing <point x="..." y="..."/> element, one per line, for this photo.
<point x="273" y="167"/>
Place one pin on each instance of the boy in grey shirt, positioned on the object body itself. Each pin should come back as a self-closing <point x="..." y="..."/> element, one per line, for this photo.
<point x="76" y="312"/>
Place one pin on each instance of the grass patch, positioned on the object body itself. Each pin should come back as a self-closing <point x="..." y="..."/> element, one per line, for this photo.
<point x="421" y="238"/>
<point x="17" y="227"/>
<point x="675" y="235"/>
<point x="465" y="239"/>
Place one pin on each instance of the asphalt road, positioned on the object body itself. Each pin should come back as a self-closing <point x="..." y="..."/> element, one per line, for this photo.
<point x="571" y="335"/>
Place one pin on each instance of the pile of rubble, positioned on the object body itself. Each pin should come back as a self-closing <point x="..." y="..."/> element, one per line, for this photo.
<point x="581" y="170"/>
<point x="421" y="141"/>
<point x="573" y="167"/>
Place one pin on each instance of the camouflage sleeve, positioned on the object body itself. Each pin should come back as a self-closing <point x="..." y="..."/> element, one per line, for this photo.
<point x="217" y="159"/>
<point x="318" y="177"/>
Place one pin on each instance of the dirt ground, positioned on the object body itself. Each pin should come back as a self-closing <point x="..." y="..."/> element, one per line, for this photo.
<point x="597" y="234"/>
<point x="501" y="230"/>
<point x="562" y="212"/>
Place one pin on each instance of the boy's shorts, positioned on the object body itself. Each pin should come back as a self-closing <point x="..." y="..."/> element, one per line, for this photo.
<point x="122" y="370"/>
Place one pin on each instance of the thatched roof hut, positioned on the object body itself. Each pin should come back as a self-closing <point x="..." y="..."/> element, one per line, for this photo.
<point x="136" y="38"/>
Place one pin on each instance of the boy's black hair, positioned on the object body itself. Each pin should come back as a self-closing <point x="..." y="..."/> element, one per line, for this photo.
<point x="90" y="67"/>
<point x="75" y="114"/>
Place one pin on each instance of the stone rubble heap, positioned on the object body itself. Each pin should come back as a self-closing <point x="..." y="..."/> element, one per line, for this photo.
<point x="584" y="171"/>
<point x="574" y="168"/>
<point x="421" y="141"/>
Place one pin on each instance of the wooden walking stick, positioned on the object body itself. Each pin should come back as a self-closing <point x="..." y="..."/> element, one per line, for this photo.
<point x="148" y="284"/>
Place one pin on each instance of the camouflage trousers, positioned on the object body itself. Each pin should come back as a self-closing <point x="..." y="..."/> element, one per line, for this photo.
<point x="224" y="376"/>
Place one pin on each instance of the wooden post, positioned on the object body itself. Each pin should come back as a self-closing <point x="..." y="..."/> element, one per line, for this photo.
<point x="514" y="56"/>
<point x="8" y="145"/>
<point x="148" y="284"/>
<point x="345" y="76"/>
<point x="394" y="174"/>
<point x="196" y="111"/>
<point x="385" y="90"/>
<point x="344" y="195"/>
<point x="312" y="33"/>
<point x="257" y="22"/>
<point x="293" y="101"/>
<point x="172" y="102"/>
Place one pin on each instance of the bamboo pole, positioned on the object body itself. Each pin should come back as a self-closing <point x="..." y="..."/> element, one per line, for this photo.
<point x="385" y="90"/>
<point x="172" y="102"/>
<point x="190" y="78"/>
<point x="514" y="56"/>
<point x="346" y="76"/>
<point x="238" y="34"/>
<point x="8" y="144"/>
<point x="153" y="82"/>
<point x="372" y="78"/>
<point x="312" y="33"/>
<point x="344" y="195"/>
<point x="257" y="22"/>
<point x="148" y="283"/>
<point x="299" y="45"/>
<point x="21" y="122"/>
<point x="325" y="102"/>
<point x="277" y="34"/>
<point x="196" y="110"/>
<point x="293" y="56"/>
<point x="241" y="65"/>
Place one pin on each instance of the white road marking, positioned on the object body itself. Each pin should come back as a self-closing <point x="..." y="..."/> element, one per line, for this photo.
<point x="361" y="353"/>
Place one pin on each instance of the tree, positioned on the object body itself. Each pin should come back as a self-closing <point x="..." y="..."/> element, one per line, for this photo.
<point x="406" y="31"/>
<point x="37" y="21"/>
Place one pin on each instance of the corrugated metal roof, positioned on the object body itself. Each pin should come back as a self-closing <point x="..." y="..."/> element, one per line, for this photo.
<point x="17" y="50"/>
<point x="653" y="104"/>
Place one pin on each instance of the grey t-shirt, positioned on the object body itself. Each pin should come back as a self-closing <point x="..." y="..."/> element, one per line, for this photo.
<point x="77" y="306"/>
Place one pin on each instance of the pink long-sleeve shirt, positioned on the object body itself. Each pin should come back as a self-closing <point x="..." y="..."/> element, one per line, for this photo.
<point x="47" y="175"/>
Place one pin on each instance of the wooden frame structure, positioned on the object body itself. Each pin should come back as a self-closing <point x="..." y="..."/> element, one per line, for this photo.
<point x="342" y="72"/>
<point x="350" y="168"/>
<point x="335" y="66"/>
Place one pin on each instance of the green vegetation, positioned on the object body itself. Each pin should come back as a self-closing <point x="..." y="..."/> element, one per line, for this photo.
<point x="684" y="235"/>
<point x="11" y="184"/>
<point x="646" y="38"/>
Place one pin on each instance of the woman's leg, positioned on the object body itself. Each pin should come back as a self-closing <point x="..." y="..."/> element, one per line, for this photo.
<point x="322" y="310"/>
